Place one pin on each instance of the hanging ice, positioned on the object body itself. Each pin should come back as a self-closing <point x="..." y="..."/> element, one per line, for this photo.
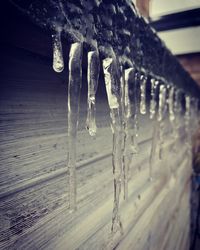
<point x="92" y="78"/>
<point x="187" y="111"/>
<point x="196" y="113"/>
<point x="129" y="75"/>
<point x="74" y="87"/>
<point x="129" y="127"/>
<point x="123" y="92"/>
<point x="187" y="121"/>
<point x="58" y="63"/>
<point x="112" y="81"/>
<point x="161" y="114"/>
<point x="135" y="147"/>
<point x="171" y="105"/>
<point x="153" y="148"/>
<point x="143" y="81"/>
<point x="153" y="103"/>
<point x="174" y="115"/>
<point x="177" y="110"/>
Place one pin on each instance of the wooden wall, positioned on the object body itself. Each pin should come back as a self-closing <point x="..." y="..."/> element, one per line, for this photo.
<point x="34" y="207"/>
<point x="191" y="63"/>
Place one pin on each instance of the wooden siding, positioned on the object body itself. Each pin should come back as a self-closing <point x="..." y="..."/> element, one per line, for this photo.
<point x="34" y="207"/>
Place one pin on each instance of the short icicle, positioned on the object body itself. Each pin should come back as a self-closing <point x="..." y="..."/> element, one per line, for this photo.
<point x="74" y="87"/>
<point x="58" y="62"/>
<point x="112" y="81"/>
<point x="92" y="78"/>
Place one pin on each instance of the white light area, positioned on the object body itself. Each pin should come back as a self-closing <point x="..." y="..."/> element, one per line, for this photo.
<point x="164" y="7"/>
<point x="182" y="41"/>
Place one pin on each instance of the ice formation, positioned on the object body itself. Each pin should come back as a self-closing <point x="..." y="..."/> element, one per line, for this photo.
<point x="112" y="81"/>
<point x="58" y="63"/>
<point x="92" y="78"/>
<point x="187" y="121"/>
<point x="153" y="103"/>
<point x="143" y="82"/>
<point x="135" y="147"/>
<point x="161" y="116"/>
<point x="74" y="88"/>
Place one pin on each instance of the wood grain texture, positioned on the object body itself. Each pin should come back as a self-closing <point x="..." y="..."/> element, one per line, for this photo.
<point x="34" y="202"/>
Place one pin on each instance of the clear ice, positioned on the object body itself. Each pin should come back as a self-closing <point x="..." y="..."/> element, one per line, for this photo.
<point x="112" y="82"/>
<point x="143" y="82"/>
<point x="135" y="99"/>
<point x="92" y="78"/>
<point x="161" y="115"/>
<point x="187" y="121"/>
<point x="173" y="116"/>
<point x="58" y="63"/>
<point x="174" y="119"/>
<point x="74" y="87"/>
<point x="153" y="103"/>
<point x="171" y="105"/>
<point x="129" y="127"/>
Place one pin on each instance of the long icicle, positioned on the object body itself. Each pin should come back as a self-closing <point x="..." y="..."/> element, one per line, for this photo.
<point x="153" y="105"/>
<point x="143" y="82"/>
<point x="124" y="126"/>
<point x="135" y="147"/>
<point x="177" y="114"/>
<point x="74" y="87"/>
<point x="58" y="63"/>
<point x="187" y="121"/>
<point x="129" y="110"/>
<point x="161" y="115"/>
<point x="172" y="115"/>
<point x="92" y="78"/>
<point x="171" y="105"/>
<point x="112" y="82"/>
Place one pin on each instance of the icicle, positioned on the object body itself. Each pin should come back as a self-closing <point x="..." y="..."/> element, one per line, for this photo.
<point x="135" y="147"/>
<point x="58" y="63"/>
<point x="123" y="92"/>
<point x="92" y="77"/>
<point x="143" y="81"/>
<point x="196" y="115"/>
<point x="126" y="113"/>
<point x="74" y="87"/>
<point x="171" y="105"/>
<point x="161" y="114"/>
<point x="187" y="121"/>
<point x="174" y="115"/>
<point x="129" y="129"/>
<point x="112" y="82"/>
<point x="177" y="110"/>
<point x="129" y="75"/>
<point x="187" y="111"/>
<point x="153" y="148"/>
<point x="153" y="103"/>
